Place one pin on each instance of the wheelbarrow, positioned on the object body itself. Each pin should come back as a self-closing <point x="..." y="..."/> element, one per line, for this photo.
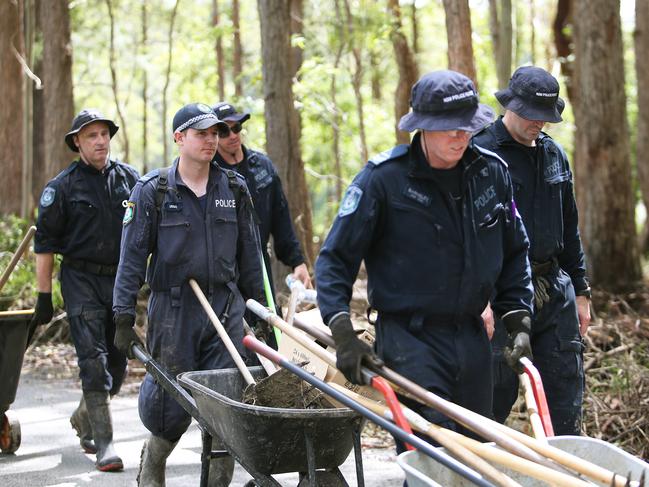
<point x="15" y="335"/>
<point x="268" y="441"/>
<point x="423" y="471"/>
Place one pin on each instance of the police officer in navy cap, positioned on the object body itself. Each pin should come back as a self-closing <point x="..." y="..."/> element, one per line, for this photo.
<point x="543" y="191"/>
<point x="266" y="190"/>
<point x="80" y="218"/>
<point x="194" y="220"/>
<point x="436" y="225"/>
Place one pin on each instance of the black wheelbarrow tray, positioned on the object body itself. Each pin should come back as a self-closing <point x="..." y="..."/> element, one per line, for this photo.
<point x="267" y="441"/>
<point x="14" y="337"/>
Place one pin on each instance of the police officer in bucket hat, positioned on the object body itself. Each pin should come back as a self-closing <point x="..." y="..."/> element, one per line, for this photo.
<point x="435" y="223"/>
<point x="543" y="191"/>
<point x="80" y="218"/>
<point x="194" y="220"/>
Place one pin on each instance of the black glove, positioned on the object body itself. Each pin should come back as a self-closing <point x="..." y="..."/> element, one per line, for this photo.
<point x="519" y="325"/>
<point x="125" y="335"/>
<point x="350" y="351"/>
<point x="44" y="309"/>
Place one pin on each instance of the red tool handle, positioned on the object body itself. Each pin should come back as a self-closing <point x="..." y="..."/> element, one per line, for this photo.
<point x="539" y="395"/>
<point x="381" y="385"/>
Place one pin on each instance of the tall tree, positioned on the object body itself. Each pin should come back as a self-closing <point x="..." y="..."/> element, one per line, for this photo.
<point x="500" y="25"/>
<point x="458" y="33"/>
<point x="112" y="56"/>
<point x="641" y="41"/>
<point x="145" y="88"/>
<point x="12" y="107"/>
<point x="237" y="54"/>
<point x="282" y="119"/>
<point x="408" y="71"/>
<point x="602" y="156"/>
<point x="165" y="89"/>
<point x="218" y="46"/>
<point x="357" y="77"/>
<point x="58" y="102"/>
<point x="563" y="42"/>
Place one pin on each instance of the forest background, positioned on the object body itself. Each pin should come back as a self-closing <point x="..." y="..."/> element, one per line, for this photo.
<point x="326" y="81"/>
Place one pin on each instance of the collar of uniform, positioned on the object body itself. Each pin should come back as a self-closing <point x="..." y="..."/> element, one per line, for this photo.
<point x="175" y="180"/>
<point x="92" y="170"/>
<point x="248" y="156"/>
<point x="502" y="134"/>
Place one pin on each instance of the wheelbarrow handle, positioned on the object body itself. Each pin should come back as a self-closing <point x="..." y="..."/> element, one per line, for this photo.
<point x="16" y="257"/>
<point x="168" y="383"/>
<point x="539" y="395"/>
<point x="426" y="448"/>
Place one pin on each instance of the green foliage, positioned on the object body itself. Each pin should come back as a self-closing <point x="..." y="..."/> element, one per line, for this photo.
<point x="20" y="290"/>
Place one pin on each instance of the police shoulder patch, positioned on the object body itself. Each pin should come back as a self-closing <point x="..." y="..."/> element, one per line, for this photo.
<point x="350" y="201"/>
<point x="47" y="198"/>
<point x="129" y="213"/>
<point x="398" y="151"/>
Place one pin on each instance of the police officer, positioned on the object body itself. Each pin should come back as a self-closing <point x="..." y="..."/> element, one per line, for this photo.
<point x="195" y="221"/>
<point x="435" y="223"/>
<point x="79" y="217"/>
<point x="543" y="191"/>
<point x="266" y="190"/>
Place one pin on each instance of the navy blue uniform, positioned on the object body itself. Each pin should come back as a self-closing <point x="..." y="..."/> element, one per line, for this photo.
<point x="80" y="217"/>
<point x="543" y="192"/>
<point x="211" y="239"/>
<point x="432" y="264"/>
<point x="271" y="206"/>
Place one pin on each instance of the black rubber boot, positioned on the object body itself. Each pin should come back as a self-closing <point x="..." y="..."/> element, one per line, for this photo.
<point x="221" y="469"/>
<point x="102" y="428"/>
<point x="81" y="423"/>
<point x="153" y="461"/>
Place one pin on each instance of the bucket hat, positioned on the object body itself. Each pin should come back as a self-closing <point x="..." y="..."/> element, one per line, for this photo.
<point x="445" y="100"/>
<point x="533" y="94"/>
<point x="83" y="118"/>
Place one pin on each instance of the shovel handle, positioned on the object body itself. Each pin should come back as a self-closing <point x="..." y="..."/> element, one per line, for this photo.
<point x="16" y="257"/>
<point x="225" y="338"/>
<point x="539" y="395"/>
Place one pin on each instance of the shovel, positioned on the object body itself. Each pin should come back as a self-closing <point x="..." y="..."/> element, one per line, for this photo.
<point x="281" y="389"/>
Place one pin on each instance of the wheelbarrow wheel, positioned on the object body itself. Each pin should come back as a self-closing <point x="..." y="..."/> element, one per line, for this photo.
<point x="9" y="433"/>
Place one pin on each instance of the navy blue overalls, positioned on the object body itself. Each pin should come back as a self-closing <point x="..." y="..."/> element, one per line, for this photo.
<point x="543" y="192"/>
<point x="217" y="246"/>
<point x="432" y="264"/>
<point x="271" y="206"/>
<point x="80" y="217"/>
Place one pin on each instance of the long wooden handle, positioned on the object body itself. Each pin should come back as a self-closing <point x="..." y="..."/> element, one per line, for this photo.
<point x="17" y="312"/>
<point x="532" y="411"/>
<point x="16" y="257"/>
<point x="222" y="333"/>
<point x="439" y="435"/>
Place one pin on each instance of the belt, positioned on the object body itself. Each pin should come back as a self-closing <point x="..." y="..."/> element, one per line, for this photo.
<point x="91" y="267"/>
<point x="417" y="321"/>
<point x="544" y="268"/>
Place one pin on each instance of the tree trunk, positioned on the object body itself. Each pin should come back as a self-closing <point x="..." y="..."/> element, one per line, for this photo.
<point x="282" y="120"/>
<point x="408" y="72"/>
<point x="297" y="29"/>
<point x="562" y="27"/>
<point x="641" y="42"/>
<point x="458" y="33"/>
<point x="165" y="135"/>
<point x="532" y="33"/>
<point x="500" y="25"/>
<point x="237" y="54"/>
<point x="357" y="79"/>
<point x="145" y="91"/>
<point x="415" y="28"/>
<point x="602" y="157"/>
<point x="12" y="141"/>
<point x="339" y="39"/>
<point x="375" y="57"/>
<point x="58" y="102"/>
<point x="220" y="65"/>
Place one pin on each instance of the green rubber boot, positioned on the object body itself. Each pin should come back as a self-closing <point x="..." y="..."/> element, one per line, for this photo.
<point x="81" y="424"/>
<point x="102" y="428"/>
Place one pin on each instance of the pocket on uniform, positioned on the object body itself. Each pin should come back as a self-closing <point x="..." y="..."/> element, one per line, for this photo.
<point x="225" y="234"/>
<point x="173" y="236"/>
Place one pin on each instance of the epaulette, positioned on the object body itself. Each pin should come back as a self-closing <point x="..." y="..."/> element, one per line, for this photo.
<point x="67" y="170"/>
<point x="394" y="153"/>
<point x="150" y="176"/>
<point x="489" y="153"/>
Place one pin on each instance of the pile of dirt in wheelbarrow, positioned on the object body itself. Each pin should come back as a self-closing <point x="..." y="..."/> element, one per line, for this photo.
<point x="616" y="360"/>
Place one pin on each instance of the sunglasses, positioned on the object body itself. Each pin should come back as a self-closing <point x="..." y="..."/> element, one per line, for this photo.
<point x="224" y="131"/>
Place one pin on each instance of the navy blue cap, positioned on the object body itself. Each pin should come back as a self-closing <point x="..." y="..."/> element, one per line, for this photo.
<point x="445" y="100"/>
<point x="83" y="118"/>
<point x="197" y="116"/>
<point x="533" y="94"/>
<point x="228" y="112"/>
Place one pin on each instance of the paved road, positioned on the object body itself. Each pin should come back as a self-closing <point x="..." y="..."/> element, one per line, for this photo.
<point x="50" y="454"/>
